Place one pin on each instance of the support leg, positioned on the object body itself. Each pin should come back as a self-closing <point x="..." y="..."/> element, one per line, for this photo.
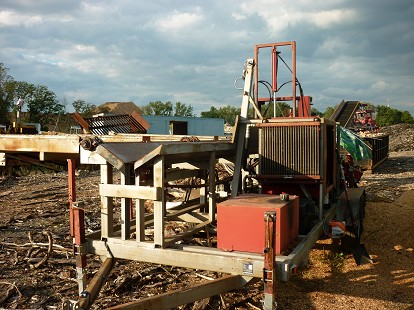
<point x="159" y="205"/>
<point x="107" y="208"/>
<point x="77" y="228"/>
<point x="139" y="215"/>
<point x="125" y="206"/>
<point x="269" y="272"/>
<point x="212" y="187"/>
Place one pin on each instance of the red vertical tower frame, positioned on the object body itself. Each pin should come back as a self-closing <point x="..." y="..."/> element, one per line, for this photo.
<point x="274" y="47"/>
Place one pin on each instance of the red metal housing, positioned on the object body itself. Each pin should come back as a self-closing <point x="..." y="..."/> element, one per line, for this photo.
<point x="241" y="226"/>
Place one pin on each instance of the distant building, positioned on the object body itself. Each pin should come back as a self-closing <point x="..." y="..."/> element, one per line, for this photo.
<point x="180" y="125"/>
<point x="164" y="125"/>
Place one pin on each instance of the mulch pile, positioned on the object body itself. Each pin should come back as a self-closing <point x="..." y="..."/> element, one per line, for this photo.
<point x="401" y="137"/>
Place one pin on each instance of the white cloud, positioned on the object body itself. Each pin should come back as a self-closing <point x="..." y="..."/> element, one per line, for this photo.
<point x="9" y="18"/>
<point x="279" y="15"/>
<point x="238" y="16"/>
<point x="380" y="85"/>
<point x="178" y="21"/>
<point x="328" y="18"/>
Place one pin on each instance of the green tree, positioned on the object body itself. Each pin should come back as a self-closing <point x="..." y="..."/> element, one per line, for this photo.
<point x="167" y="109"/>
<point x="228" y="113"/>
<point x="282" y="109"/>
<point x="84" y="108"/>
<point x="158" y="108"/>
<point x="407" y="118"/>
<point x="316" y="112"/>
<point x="181" y="109"/>
<point x="329" y="111"/>
<point x="387" y="116"/>
<point x="6" y="94"/>
<point x="22" y="90"/>
<point x="44" y="106"/>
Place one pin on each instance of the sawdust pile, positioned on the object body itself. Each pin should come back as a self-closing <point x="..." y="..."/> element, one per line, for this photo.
<point x="401" y="137"/>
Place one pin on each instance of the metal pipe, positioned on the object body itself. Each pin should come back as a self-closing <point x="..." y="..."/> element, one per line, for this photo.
<point x="256" y="74"/>
<point x="274" y="78"/>
<point x="294" y="78"/>
<point x="92" y="291"/>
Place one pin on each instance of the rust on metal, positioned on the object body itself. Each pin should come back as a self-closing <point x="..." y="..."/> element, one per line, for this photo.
<point x="103" y="125"/>
<point x="60" y="144"/>
<point x="281" y="124"/>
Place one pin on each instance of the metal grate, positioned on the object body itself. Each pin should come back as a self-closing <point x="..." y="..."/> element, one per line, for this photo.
<point x="103" y="125"/>
<point x="290" y="150"/>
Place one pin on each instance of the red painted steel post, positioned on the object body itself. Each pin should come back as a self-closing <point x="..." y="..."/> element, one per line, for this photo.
<point x="294" y="77"/>
<point x="269" y="271"/>
<point x="274" y="69"/>
<point x="77" y="228"/>
<point x="72" y="192"/>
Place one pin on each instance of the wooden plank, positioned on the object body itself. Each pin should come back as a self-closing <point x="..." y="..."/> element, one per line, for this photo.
<point x="212" y="187"/>
<point x="126" y="206"/>
<point x="107" y="213"/>
<point x="139" y="216"/>
<point x="192" y="217"/>
<point x="159" y="204"/>
<point x="178" y="174"/>
<point x="187" y="295"/>
<point x="130" y="191"/>
<point x="185" y="234"/>
<point x="213" y="259"/>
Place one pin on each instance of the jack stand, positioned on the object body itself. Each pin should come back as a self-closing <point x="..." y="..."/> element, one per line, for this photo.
<point x="77" y="228"/>
<point x="269" y="271"/>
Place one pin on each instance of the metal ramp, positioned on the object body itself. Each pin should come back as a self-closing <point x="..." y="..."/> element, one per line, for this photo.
<point x="345" y="112"/>
<point x="103" y="125"/>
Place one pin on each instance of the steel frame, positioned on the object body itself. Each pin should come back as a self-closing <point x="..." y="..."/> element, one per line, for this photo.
<point x="274" y="47"/>
<point x="116" y="241"/>
<point x="113" y="241"/>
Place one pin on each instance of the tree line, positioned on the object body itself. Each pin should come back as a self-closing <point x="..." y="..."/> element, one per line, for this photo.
<point x="44" y="107"/>
<point x="42" y="104"/>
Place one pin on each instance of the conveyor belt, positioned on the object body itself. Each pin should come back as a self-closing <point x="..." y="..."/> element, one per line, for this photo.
<point x="345" y="112"/>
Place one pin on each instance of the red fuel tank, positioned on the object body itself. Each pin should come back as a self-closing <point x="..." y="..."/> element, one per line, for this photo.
<point x="241" y="225"/>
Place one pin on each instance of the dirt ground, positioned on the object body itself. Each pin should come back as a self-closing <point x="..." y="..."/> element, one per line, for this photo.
<point x="34" y="208"/>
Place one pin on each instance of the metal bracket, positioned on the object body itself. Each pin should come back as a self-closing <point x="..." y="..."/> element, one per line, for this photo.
<point x="2" y="159"/>
<point x="70" y="305"/>
<point x="80" y="249"/>
<point x="78" y="205"/>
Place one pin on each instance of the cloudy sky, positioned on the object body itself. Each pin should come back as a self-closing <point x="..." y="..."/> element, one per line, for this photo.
<point x="192" y="50"/>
